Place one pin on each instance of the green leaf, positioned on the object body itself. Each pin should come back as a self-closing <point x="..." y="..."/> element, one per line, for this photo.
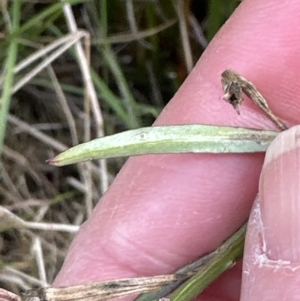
<point x="223" y="258"/>
<point x="193" y="138"/>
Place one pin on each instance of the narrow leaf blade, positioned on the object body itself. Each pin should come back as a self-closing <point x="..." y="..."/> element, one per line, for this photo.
<point x="193" y="138"/>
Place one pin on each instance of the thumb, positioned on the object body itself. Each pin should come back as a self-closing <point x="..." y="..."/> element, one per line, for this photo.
<point x="271" y="268"/>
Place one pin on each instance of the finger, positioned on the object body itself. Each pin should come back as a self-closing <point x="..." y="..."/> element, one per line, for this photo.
<point x="163" y="211"/>
<point x="272" y="252"/>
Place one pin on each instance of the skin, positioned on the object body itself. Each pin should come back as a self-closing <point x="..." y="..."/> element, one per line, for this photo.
<point x="162" y="211"/>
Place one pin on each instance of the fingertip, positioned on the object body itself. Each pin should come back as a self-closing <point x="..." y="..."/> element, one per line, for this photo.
<point x="272" y="258"/>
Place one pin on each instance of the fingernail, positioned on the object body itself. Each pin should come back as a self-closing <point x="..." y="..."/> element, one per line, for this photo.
<point x="279" y="191"/>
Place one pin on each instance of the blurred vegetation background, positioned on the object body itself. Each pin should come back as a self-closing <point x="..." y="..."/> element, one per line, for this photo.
<point x="70" y="72"/>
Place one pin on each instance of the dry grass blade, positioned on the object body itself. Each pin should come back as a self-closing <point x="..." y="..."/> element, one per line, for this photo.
<point x="26" y="78"/>
<point x="101" y="290"/>
<point x="184" y="35"/>
<point x="91" y="96"/>
<point x="8" y="220"/>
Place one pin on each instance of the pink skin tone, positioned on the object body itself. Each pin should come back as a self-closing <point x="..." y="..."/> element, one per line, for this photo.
<point x="163" y="211"/>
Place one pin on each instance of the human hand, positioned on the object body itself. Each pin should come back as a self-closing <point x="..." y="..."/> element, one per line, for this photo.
<point x="163" y="211"/>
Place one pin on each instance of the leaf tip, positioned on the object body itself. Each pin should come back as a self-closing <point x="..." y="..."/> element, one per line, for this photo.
<point x="52" y="161"/>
